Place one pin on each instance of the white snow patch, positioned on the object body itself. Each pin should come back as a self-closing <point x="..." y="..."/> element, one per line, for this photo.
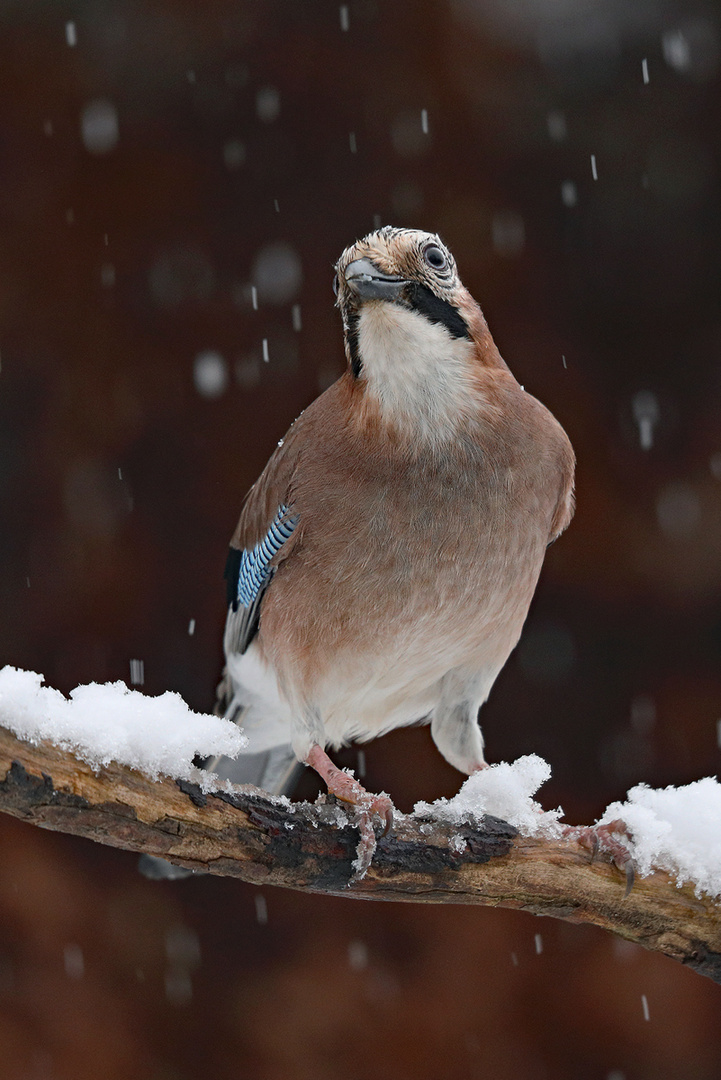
<point x="458" y="843"/>
<point x="677" y="829"/>
<point x="109" y="722"/>
<point x="505" y="791"/>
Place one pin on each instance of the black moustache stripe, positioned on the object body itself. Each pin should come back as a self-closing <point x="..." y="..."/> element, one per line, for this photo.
<point x="356" y="364"/>
<point x="421" y="299"/>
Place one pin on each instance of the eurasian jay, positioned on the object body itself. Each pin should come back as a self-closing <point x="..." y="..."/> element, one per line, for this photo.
<point x="385" y="560"/>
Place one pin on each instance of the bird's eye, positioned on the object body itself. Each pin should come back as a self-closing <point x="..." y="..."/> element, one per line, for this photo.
<point x="435" y="257"/>
<point x="335" y="285"/>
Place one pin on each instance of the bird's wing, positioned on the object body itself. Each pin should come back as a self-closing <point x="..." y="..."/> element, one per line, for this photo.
<point x="265" y="536"/>
<point x="249" y="572"/>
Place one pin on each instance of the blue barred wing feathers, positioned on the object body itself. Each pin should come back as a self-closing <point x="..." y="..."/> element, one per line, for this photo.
<point x="248" y="574"/>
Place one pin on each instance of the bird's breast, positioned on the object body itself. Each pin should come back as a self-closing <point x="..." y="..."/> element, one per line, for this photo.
<point x="416" y="566"/>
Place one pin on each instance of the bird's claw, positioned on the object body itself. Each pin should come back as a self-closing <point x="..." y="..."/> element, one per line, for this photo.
<point x="604" y="839"/>
<point x="630" y="877"/>
<point x="366" y="847"/>
<point x="344" y="786"/>
<point x="383" y="807"/>
<point x="370" y="807"/>
<point x="354" y="794"/>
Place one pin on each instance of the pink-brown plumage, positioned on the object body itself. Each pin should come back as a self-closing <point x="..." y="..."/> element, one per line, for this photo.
<point x="426" y="484"/>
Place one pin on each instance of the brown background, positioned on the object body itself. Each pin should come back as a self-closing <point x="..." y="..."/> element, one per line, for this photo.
<point x="131" y="233"/>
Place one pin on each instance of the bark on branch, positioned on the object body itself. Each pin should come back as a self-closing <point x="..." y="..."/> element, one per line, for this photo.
<point x="302" y="847"/>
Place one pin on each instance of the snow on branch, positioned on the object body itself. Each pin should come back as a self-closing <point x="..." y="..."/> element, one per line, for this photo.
<point x="108" y="722"/>
<point x="91" y="766"/>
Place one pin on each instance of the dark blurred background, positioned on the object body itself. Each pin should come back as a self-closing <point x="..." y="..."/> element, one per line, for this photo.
<point x="176" y="182"/>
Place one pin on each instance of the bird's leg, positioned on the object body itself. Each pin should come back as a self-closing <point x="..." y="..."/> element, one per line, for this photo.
<point x="346" y="788"/>
<point x="606" y="839"/>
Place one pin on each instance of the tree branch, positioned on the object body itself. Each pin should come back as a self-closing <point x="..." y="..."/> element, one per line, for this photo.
<point x="302" y="846"/>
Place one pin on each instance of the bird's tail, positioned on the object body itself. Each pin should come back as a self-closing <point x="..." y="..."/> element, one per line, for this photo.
<point x="276" y="771"/>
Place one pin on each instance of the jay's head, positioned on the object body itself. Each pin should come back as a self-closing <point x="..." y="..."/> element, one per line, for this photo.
<point x="413" y="333"/>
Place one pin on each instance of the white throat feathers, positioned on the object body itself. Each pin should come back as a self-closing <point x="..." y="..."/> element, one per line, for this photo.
<point x="418" y="372"/>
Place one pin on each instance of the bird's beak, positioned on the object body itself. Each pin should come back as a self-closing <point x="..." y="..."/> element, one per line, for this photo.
<point x="369" y="283"/>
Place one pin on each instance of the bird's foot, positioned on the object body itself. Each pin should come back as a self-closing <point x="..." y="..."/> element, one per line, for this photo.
<point x="607" y="840"/>
<point x="346" y="788"/>
<point x="366" y="846"/>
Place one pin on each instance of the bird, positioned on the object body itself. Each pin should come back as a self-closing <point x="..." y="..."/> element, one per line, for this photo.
<point x="385" y="560"/>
